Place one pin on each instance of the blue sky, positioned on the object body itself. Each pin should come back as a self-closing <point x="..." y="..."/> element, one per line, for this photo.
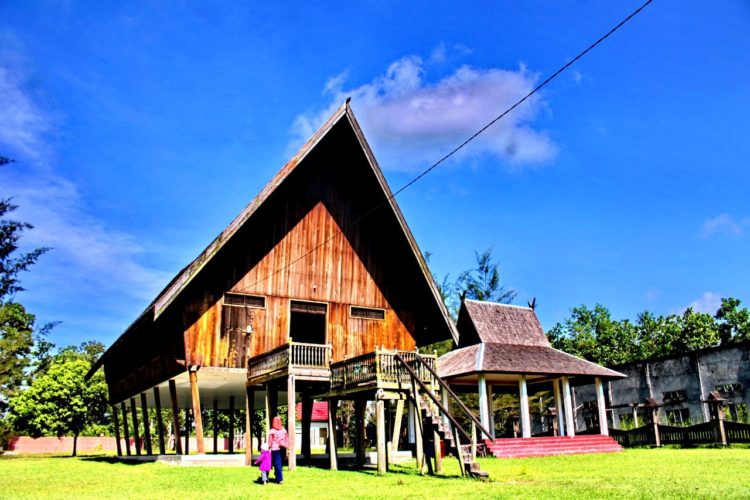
<point x="141" y="129"/>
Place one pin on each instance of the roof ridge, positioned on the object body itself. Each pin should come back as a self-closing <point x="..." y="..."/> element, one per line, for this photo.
<point x="498" y="304"/>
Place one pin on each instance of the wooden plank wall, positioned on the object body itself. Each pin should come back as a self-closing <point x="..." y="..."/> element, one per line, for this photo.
<point x="333" y="274"/>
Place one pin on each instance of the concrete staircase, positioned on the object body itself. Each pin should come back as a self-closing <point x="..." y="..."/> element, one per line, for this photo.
<point x="548" y="446"/>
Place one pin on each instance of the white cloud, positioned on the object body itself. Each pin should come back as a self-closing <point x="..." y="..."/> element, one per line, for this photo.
<point x="411" y="122"/>
<point x="88" y="254"/>
<point x="709" y="303"/>
<point x="724" y="224"/>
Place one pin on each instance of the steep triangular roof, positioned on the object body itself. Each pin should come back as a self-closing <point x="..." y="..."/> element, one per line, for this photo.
<point x="345" y="117"/>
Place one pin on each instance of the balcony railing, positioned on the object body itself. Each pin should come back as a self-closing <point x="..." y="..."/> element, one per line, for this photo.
<point x="287" y="358"/>
<point x="379" y="368"/>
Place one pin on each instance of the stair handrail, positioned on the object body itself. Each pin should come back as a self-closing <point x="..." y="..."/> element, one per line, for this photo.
<point x="432" y="396"/>
<point x="461" y="404"/>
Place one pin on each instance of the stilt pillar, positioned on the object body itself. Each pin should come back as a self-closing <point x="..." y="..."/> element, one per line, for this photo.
<point x="197" y="414"/>
<point x="380" y="423"/>
<point x="602" y="407"/>
<point x="116" y="423"/>
<point x="215" y="425"/>
<point x="146" y="425"/>
<point x="159" y="421"/>
<point x="136" y="436"/>
<point x="570" y="426"/>
<point x="175" y="417"/>
<point x="125" y="430"/>
<point x="307" y="408"/>
<point x="249" y="413"/>
<point x="359" y="437"/>
<point x="332" y="406"/>
<point x="393" y="448"/>
<point x="291" y="420"/>
<point x="523" y="396"/>
<point x="231" y="424"/>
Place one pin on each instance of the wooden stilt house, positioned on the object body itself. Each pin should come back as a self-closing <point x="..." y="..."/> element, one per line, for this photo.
<point x="316" y="288"/>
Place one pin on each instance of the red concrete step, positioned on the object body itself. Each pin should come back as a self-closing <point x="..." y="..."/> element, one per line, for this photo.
<point x="552" y="445"/>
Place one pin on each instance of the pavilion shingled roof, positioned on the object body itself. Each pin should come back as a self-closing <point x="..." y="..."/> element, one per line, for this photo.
<point x="504" y="338"/>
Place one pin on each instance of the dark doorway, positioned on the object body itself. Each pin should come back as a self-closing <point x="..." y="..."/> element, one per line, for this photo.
<point x="307" y="322"/>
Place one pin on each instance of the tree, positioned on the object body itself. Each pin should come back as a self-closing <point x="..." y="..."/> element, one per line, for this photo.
<point x="60" y="401"/>
<point x="483" y="282"/>
<point x="733" y="322"/>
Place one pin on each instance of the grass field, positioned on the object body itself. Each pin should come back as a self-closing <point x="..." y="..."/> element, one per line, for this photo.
<point x="652" y="473"/>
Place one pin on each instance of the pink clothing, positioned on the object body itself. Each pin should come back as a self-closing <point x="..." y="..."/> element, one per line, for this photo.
<point x="264" y="460"/>
<point x="277" y="437"/>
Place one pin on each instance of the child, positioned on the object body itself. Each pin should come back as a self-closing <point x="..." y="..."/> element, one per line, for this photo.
<point x="265" y="463"/>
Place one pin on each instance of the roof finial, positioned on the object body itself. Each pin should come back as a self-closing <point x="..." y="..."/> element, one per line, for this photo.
<point x="348" y="100"/>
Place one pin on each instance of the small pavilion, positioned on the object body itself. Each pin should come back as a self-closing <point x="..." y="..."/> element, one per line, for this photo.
<point x="503" y="347"/>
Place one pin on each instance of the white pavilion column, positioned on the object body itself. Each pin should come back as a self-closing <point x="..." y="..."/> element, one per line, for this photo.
<point x="523" y="396"/>
<point x="559" y="406"/>
<point x="484" y="416"/>
<point x="570" y="428"/>
<point x="491" y="410"/>
<point x="601" y="405"/>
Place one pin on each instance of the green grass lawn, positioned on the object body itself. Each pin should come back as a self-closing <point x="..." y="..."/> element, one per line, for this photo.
<point x="656" y="473"/>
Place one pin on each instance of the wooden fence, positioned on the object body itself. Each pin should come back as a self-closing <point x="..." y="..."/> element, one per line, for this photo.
<point x="706" y="433"/>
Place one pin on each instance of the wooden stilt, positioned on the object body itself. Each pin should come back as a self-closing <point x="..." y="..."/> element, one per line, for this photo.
<point x="249" y="409"/>
<point x="418" y="429"/>
<point x="215" y="425"/>
<point x="459" y="452"/>
<point x="116" y="422"/>
<point x="159" y="421"/>
<point x="175" y="417"/>
<point x="438" y="449"/>
<point x="188" y="427"/>
<point x="136" y="436"/>
<point x="125" y="427"/>
<point x="197" y="413"/>
<point x="146" y="425"/>
<point x="332" y="406"/>
<point x="231" y="424"/>
<point x="380" y="423"/>
<point x="307" y="408"/>
<point x="397" y="427"/>
<point x="359" y="439"/>
<point x="268" y="410"/>
<point x="291" y="422"/>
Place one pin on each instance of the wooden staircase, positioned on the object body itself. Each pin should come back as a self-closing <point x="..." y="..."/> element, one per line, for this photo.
<point x="549" y="445"/>
<point x="435" y="415"/>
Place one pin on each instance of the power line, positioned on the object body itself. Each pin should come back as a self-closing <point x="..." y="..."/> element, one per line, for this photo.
<point x="462" y="145"/>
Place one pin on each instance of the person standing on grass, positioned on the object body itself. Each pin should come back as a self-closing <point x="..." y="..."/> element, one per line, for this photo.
<point x="277" y="439"/>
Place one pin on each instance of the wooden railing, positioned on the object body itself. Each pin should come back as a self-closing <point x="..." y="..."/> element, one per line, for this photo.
<point x="379" y="367"/>
<point x="288" y="356"/>
<point x="705" y="433"/>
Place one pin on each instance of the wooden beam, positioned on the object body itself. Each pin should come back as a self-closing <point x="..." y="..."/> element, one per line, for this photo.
<point x="215" y="425"/>
<point x="136" y="436"/>
<point x="307" y="408"/>
<point x="231" y="424"/>
<point x="116" y="422"/>
<point x="291" y="422"/>
<point x="380" y="423"/>
<point x="197" y="413"/>
<point x="146" y="425"/>
<point x="249" y="409"/>
<point x="332" y="405"/>
<point x="359" y="440"/>
<point x="175" y="417"/>
<point x="159" y="421"/>
<point x="437" y="448"/>
<point x="125" y="426"/>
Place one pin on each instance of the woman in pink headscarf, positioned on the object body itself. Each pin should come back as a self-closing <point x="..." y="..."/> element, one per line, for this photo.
<point x="277" y="439"/>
